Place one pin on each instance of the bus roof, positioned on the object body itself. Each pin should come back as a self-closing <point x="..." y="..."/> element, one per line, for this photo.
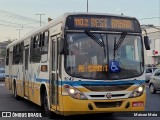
<point x="61" y="19"/>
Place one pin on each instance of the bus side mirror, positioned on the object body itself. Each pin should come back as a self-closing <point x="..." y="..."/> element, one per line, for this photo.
<point x="61" y="46"/>
<point x="146" y="42"/>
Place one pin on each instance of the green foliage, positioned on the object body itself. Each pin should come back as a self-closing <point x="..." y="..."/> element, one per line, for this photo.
<point x="3" y="53"/>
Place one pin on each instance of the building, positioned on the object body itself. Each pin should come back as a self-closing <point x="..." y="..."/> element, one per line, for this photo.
<point x="3" y="46"/>
<point x="152" y="56"/>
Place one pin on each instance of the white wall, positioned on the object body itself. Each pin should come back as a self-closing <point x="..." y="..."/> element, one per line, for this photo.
<point x="154" y="37"/>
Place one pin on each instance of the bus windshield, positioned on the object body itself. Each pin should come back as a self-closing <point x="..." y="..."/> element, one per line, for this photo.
<point x="90" y="56"/>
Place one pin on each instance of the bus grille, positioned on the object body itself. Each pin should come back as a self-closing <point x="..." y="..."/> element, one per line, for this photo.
<point x="108" y="104"/>
<point x="107" y="88"/>
<point x="113" y="95"/>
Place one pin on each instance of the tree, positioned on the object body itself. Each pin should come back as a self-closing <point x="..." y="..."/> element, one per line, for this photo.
<point x="3" y="53"/>
<point x="3" y="47"/>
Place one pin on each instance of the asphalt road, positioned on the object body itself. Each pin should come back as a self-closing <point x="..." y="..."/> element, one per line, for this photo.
<point x="9" y="103"/>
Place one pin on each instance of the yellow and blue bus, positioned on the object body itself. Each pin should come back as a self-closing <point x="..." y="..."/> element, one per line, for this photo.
<point x="80" y="63"/>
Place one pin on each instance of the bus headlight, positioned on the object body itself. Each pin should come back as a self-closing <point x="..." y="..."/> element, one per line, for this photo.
<point x="74" y="92"/>
<point x="138" y="91"/>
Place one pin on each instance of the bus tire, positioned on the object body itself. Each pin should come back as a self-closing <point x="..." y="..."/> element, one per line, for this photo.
<point x="45" y="105"/>
<point x="15" y="91"/>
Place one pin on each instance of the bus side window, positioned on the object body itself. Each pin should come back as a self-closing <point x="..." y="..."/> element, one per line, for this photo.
<point x="40" y="40"/>
<point x="15" y="54"/>
<point x="34" y="42"/>
<point x="16" y="50"/>
<point x="21" y="52"/>
<point x="13" y="59"/>
<point x="45" y="37"/>
<point x="7" y="57"/>
<point x="35" y="55"/>
<point x="37" y="41"/>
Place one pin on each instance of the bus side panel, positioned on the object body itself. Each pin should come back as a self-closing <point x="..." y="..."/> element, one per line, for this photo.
<point x="18" y="77"/>
<point x="7" y="77"/>
<point x="36" y="79"/>
<point x="30" y="96"/>
<point x="37" y="93"/>
<point x="33" y="72"/>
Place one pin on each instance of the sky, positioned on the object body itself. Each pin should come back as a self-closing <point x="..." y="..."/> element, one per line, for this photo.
<point x="18" y="17"/>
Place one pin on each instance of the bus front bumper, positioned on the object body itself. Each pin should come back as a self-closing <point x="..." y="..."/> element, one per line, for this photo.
<point x="73" y="106"/>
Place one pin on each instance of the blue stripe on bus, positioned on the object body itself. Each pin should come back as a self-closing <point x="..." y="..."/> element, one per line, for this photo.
<point x="98" y="83"/>
<point x="6" y="75"/>
<point x="92" y="83"/>
<point x="42" y="80"/>
<point x="13" y="76"/>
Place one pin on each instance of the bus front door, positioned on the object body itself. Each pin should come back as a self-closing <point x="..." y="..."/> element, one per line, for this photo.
<point x="25" y="71"/>
<point x="54" y="76"/>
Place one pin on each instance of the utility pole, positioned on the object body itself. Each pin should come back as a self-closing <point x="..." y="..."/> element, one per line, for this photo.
<point x="40" y="17"/>
<point x="87" y="5"/>
<point x="19" y="32"/>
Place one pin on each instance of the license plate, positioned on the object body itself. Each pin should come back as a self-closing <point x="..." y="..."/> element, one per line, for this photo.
<point x="137" y="104"/>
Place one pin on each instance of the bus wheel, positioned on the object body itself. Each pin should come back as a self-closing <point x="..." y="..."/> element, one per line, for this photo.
<point x="45" y="104"/>
<point x="152" y="89"/>
<point x="15" y="91"/>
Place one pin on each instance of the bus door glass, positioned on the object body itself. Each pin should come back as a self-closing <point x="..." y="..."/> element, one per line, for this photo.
<point x="54" y="76"/>
<point x="10" y="69"/>
<point x="25" y="73"/>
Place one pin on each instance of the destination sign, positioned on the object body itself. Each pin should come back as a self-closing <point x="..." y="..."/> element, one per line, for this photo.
<point x="92" y="68"/>
<point x="95" y="22"/>
<point x="90" y="22"/>
<point x="102" y="23"/>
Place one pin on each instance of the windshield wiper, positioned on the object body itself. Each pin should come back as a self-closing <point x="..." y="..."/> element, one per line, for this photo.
<point x="118" y="44"/>
<point x="120" y="41"/>
<point x="97" y="40"/>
